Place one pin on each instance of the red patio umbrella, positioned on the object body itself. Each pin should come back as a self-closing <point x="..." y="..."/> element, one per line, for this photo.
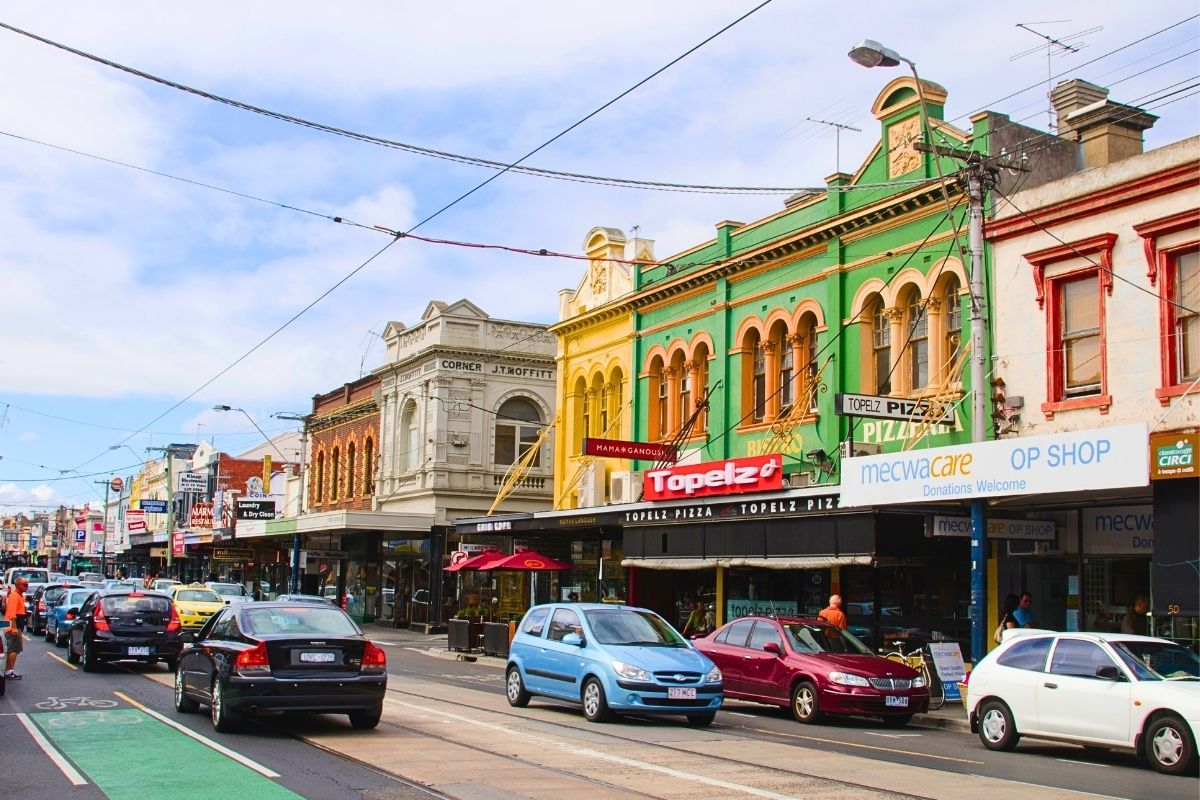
<point x="478" y="561"/>
<point x="527" y="561"/>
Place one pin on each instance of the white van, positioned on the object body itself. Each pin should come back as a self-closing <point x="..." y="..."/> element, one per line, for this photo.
<point x="35" y="575"/>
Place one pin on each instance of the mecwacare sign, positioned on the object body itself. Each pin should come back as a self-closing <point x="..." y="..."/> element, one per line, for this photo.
<point x="877" y="407"/>
<point x="1037" y="530"/>
<point x="194" y="482"/>
<point x="734" y="476"/>
<point x="616" y="448"/>
<point x="1103" y="458"/>
<point x="256" y="509"/>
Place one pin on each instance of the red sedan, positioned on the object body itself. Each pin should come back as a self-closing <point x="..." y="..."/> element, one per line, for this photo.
<point x="814" y="669"/>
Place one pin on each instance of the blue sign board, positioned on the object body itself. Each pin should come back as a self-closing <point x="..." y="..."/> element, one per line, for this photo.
<point x="80" y="535"/>
<point x="153" y="506"/>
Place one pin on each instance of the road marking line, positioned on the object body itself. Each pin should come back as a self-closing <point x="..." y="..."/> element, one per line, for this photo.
<point x="892" y="735"/>
<point x="63" y="765"/>
<point x="1084" y="763"/>
<point x="204" y="740"/>
<point x="740" y="714"/>
<point x="63" y="661"/>
<point x="586" y="751"/>
<point x="844" y="743"/>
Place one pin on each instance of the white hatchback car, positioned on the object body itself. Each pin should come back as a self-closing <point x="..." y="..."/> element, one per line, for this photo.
<point x="1101" y="690"/>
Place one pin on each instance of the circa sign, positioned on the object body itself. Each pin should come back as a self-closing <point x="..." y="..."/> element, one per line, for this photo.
<point x="734" y="476"/>
<point x="870" y="405"/>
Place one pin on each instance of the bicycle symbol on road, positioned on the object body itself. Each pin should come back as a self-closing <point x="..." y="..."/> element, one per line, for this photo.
<point x="63" y="703"/>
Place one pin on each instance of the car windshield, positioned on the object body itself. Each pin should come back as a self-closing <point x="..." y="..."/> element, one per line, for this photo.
<point x="811" y="638"/>
<point x="303" y="620"/>
<point x="198" y="596"/>
<point x="1154" y="661"/>
<point x="229" y="588"/>
<point x="630" y="627"/>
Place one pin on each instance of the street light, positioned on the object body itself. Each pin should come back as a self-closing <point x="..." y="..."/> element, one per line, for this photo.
<point x="255" y="424"/>
<point x="870" y="53"/>
<point x="294" y="583"/>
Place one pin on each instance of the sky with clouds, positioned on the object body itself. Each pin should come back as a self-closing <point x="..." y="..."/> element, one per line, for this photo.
<point x="126" y="291"/>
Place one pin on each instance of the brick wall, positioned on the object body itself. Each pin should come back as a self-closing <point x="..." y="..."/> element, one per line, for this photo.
<point x="354" y="488"/>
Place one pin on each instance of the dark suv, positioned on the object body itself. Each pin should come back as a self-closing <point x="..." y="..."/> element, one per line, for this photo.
<point x="124" y="625"/>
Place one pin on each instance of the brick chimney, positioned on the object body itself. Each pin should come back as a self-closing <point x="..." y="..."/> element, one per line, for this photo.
<point x="1106" y="131"/>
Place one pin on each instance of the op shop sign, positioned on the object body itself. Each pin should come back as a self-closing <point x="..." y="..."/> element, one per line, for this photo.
<point x="1104" y="458"/>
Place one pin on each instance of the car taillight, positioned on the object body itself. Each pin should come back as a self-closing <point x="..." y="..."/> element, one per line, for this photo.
<point x="174" y="624"/>
<point x="99" y="620"/>
<point x="343" y="603"/>
<point x="253" y="661"/>
<point x="42" y="606"/>
<point x="374" y="659"/>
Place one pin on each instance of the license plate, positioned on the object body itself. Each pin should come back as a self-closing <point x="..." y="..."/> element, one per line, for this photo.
<point x="317" y="658"/>
<point x="681" y="693"/>
<point x="895" y="700"/>
<point x="138" y="651"/>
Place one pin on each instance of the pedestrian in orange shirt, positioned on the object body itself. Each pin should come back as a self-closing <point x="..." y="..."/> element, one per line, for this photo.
<point x="16" y="612"/>
<point x="833" y="614"/>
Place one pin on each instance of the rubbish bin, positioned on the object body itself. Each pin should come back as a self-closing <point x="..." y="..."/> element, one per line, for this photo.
<point x="458" y="635"/>
<point x="495" y="638"/>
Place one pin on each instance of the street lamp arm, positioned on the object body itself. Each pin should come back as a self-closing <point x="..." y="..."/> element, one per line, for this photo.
<point x="255" y="424"/>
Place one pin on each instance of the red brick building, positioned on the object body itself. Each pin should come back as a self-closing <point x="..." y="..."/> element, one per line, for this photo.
<point x="343" y="435"/>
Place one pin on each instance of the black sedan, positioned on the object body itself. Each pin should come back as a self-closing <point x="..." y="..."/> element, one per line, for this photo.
<point x="281" y="656"/>
<point x="123" y="625"/>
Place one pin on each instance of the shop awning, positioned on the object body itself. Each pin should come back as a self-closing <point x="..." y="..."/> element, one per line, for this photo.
<point x="795" y="562"/>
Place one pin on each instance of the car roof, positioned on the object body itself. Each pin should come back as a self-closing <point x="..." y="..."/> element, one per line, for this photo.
<point x="1098" y="636"/>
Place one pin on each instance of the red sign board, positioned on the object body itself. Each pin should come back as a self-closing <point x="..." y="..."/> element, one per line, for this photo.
<point x="177" y="546"/>
<point x="616" y="448"/>
<point x="202" y="515"/>
<point x="734" y="476"/>
<point x="135" y="519"/>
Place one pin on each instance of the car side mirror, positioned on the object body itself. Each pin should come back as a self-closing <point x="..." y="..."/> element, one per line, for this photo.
<point x="187" y="637"/>
<point x="575" y="639"/>
<point x="773" y="647"/>
<point x="1109" y="673"/>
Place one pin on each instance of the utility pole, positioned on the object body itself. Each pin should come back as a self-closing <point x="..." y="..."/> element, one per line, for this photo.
<point x="170" y="451"/>
<point x="104" y="541"/>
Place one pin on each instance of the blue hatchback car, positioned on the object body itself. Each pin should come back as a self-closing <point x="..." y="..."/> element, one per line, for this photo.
<point x="611" y="658"/>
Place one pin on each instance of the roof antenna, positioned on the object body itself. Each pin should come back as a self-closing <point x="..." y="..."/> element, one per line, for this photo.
<point x="838" y="127"/>
<point x="1072" y="43"/>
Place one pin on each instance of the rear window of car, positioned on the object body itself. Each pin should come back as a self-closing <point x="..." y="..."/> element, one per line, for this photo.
<point x="302" y="620"/>
<point x="1026" y="654"/>
<point x="198" y="596"/>
<point x="76" y="597"/>
<point x="229" y="588"/>
<point x="117" y="605"/>
<point x="535" y="622"/>
<point x="31" y="575"/>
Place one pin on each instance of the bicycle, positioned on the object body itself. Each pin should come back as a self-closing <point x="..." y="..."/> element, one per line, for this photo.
<point x="922" y="663"/>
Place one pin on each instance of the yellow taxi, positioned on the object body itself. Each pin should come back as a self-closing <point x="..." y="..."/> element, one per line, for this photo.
<point x="195" y="603"/>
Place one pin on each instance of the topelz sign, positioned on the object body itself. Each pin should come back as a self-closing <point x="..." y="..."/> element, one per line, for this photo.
<point x="734" y="476"/>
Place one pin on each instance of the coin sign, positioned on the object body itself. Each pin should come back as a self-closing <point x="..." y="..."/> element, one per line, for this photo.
<point x="116" y="484"/>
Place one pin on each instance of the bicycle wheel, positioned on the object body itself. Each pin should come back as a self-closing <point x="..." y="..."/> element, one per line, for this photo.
<point x="937" y="692"/>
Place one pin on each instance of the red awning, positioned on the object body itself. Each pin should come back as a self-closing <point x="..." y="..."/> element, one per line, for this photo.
<point x="478" y="561"/>
<point x="528" y="561"/>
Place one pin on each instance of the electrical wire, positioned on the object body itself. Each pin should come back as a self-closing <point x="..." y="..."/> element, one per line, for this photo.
<point x="71" y="477"/>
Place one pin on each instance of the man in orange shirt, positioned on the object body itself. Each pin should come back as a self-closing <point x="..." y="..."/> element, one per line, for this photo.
<point x="16" y="612"/>
<point x="833" y="614"/>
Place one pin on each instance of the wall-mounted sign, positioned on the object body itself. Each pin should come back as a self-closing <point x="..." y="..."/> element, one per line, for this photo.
<point x="255" y="509"/>
<point x="743" y="509"/>
<point x="116" y="484"/>
<point x="80" y="535"/>
<point x="877" y="407"/>
<point x="1104" y="458"/>
<point x="202" y="515"/>
<point x="153" y="506"/>
<point x="1173" y="455"/>
<point x="734" y="476"/>
<point x="1118" y="530"/>
<point x="1037" y="530"/>
<point x="193" y="482"/>
<point x="177" y="544"/>
<point x="462" y="366"/>
<point x="232" y="554"/>
<point x="135" y="519"/>
<point x="616" y="448"/>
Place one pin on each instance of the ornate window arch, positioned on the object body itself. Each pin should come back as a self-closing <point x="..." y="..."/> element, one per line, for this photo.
<point x="701" y="353"/>
<point x="912" y="374"/>
<point x="351" y="467"/>
<point x="335" y="475"/>
<point x="658" y="398"/>
<point x="319" y="486"/>
<point x="369" y="467"/>
<point x="877" y="374"/>
<point x="410" y="436"/>
<point x="517" y="428"/>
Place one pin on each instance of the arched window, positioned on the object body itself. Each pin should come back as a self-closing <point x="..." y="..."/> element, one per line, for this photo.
<point x="596" y="416"/>
<point x="700" y="357"/>
<point x="916" y="323"/>
<point x="683" y="409"/>
<point x="806" y="350"/>
<point x="319" y="488"/>
<point x="785" y="385"/>
<point x="410" y="452"/>
<point x="580" y="419"/>
<point x="518" y="424"/>
<point x="615" y="380"/>
<point x="881" y="347"/>
<point x="335" y="476"/>
<point x="350" y="467"/>
<point x="658" y="399"/>
<point x="954" y="344"/>
<point x="369" y="467"/>
<point x="754" y="378"/>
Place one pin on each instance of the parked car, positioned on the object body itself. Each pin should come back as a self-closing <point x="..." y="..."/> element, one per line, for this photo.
<point x="163" y="584"/>
<point x="812" y="668"/>
<point x="1102" y="690"/>
<point x="39" y="603"/>
<point x="195" y="604"/>
<point x="610" y="659"/>
<point x="56" y="614"/>
<point x="120" y="625"/>
<point x="281" y="656"/>
<point x="37" y="576"/>
<point x="305" y="598"/>
<point x="230" y="592"/>
<point x="91" y="576"/>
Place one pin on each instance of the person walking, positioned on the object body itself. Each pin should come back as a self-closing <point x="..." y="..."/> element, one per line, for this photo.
<point x="16" y="612"/>
<point x="833" y="614"/>
<point x="1024" y="613"/>
<point x="1135" y="620"/>
<point x="695" y="620"/>
<point x="1007" y="618"/>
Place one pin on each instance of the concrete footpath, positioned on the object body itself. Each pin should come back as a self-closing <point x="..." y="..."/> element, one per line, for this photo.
<point x="949" y="717"/>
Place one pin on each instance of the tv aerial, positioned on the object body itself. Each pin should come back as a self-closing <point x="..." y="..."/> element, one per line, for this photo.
<point x="1054" y="46"/>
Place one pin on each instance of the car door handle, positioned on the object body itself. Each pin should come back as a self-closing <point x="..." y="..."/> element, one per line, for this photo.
<point x="747" y="658"/>
<point x="1049" y="685"/>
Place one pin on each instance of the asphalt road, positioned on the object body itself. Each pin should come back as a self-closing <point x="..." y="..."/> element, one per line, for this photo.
<point x="116" y="734"/>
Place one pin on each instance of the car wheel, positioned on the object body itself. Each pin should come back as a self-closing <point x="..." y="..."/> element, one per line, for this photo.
<point x="514" y="689"/>
<point x="897" y="721"/>
<point x="72" y="656"/>
<point x="183" y="703"/>
<point x="997" y="730"/>
<point x="1169" y="745"/>
<point x="223" y="720"/>
<point x="3" y="688"/>
<point x="59" y="639"/>
<point x="366" y="720"/>
<point x="595" y="706"/>
<point x="90" y="662"/>
<point x="806" y="707"/>
<point x="701" y="720"/>
<point x="48" y="635"/>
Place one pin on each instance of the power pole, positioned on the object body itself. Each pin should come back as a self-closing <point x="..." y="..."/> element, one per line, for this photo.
<point x="104" y="541"/>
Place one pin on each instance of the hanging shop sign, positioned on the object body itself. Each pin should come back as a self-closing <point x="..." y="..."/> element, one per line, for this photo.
<point x="617" y="448"/>
<point x="194" y="482"/>
<point x="734" y="476"/>
<point x="1087" y="460"/>
<point x="1173" y="455"/>
<point x="1037" y="530"/>
<point x="153" y="506"/>
<point x="255" y="509"/>
<point x="899" y="408"/>
<point x="202" y="515"/>
<point x="135" y="519"/>
<point x="178" y="546"/>
<point x="1118" y="530"/>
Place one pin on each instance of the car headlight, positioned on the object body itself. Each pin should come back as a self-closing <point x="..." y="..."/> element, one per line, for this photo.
<point x="630" y="671"/>
<point x="848" y="679"/>
<point x="918" y="682"/>
<point x="714" y="675"/>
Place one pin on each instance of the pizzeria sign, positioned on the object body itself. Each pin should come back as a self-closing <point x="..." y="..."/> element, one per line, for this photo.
<point x="713" y="478"/>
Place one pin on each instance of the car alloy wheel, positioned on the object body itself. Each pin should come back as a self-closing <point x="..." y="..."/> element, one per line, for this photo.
<point x="72" y="656"/>
<point x="997" y="730"/>
<point x="223" y="719"/>
<point x="595" y="706"/>
<point x="90" y="662"/>
<point x="806" y="708"/>
<point x="183" y="703"/>
<point x="1169" y="746"/>
<point x="514" y="689"/>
